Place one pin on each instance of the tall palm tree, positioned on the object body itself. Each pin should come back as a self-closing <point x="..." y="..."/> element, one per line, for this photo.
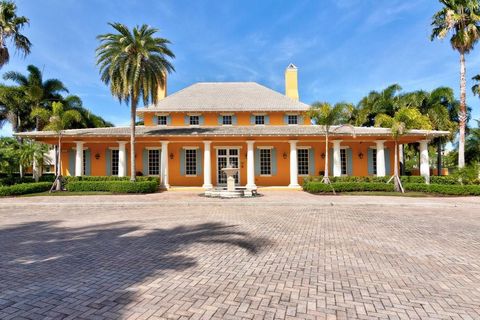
<point x="89" y="120"/>
<point x="10" y="27"/>
<point x="134" y="64"/>
<point x="326" y="115"/>
<point x="57" y="120"/>
<point x="405" y="118"/>
<point x="39" y="93"/>
<point x="461" y="19"/>
<point x="377" y="102"/>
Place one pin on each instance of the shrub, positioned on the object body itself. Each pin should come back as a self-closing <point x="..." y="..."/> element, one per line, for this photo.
<point x="319" y="187"/>
<point x="11" y="180"/>
<point x="113" y="186"/>
<point x="25" y="188"/>
<point x="454" y="190"/>
<point x="107" y="178"/>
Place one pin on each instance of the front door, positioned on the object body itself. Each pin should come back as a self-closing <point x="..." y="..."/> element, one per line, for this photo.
<point x="227" y="156"/>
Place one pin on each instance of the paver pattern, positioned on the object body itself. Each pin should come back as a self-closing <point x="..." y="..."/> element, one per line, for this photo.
<point x="286" y="255"/>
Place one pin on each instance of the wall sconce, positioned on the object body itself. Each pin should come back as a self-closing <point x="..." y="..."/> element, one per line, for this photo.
<point x="171" y="156"/>
<point x="97" y="155"/>
<point x="246" y="155"/>
<point x="322" y="155"/>
<point x="360" y="155"/>
<point x="284" y="155"/>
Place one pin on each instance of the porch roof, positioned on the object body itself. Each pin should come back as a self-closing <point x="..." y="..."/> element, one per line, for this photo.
<point x="227" y="131"/>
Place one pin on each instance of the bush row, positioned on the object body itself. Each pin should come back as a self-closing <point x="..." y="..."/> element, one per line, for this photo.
<point x="444" y="180"/>
<point x="8" y="181"/>
<point x="113" y="186"/>
<point x="25" y="188"/>
<point x="319" y="187"/>
<point x="69" y="179"/>
<point x="454" y="190"/>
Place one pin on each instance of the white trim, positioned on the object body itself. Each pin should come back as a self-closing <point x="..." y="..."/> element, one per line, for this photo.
<point x="153" y="148"/>
<point x="194" y="114"/>
<point x="228" y="147"/>
<point x="227" y="114"/>
<point x="113" y="148"/>
<point x="265" y="147"/>
<point x="259" y="113"/>
<point x="190" y="148"/>
<point x="166" y="114"/>
<point x="304" y="147"/>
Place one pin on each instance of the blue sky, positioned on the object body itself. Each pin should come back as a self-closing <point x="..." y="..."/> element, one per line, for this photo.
<point x="343" y="48"/>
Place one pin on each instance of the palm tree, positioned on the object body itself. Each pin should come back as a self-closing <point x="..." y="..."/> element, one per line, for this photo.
<point x="15" y="109"/>
<point x="134" y="64"/>
<point x="10" y="26"/>
<point x="57" y="120"/>
<point x="405" y="118"/>
<point x="326" y="115"/>
<point x="33" y="154"/>
<point x="38" y="92"/>
<point x="461" y="19"/>
<point x="89" y="120"/>
<point x="385" y="102"/>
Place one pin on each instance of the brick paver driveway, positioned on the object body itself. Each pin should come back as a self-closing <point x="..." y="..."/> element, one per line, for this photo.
<point x="284" y="255"/>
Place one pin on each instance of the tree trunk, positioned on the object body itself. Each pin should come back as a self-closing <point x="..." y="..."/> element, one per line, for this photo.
<point x="59" y="173"/>
<point x="401" y="157"/>
<point x="133" y="116"/>
<point x="395" y="169"/>
<point x="439" y="157"/>
<point x="326" y="155"/>
<point x="462" y="114"/>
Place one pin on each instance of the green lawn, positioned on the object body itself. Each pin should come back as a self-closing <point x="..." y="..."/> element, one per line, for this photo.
<point x="66" y="193"/>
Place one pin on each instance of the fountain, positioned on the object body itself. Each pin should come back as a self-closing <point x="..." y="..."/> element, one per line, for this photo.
<point x="231" y="191"/>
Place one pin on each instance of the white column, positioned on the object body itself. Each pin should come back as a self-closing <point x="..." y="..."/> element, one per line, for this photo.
<point x="207" y="165"/>
<point x="380" y="158"/>
<point x="79" y="159"/>
<point x="293" y="165"/>
<point x="337" y="165"/>
<point x="424" y="161"/>
<point x="122" y="159"/>
<point x="251" y="166"/>
<point x="164" y="166"/>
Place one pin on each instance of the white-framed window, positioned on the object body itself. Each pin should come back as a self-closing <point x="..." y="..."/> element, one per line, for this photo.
<point x="265" y="162"/>
<point x="343" y="161"/>
<point x="153" y="162"/>
<point x="114" y="162"/>
<point x="194" y="120"/>
<point x="374" y="160"/>
<point x="191" y="162"/>
<point x="227" y="120"/>
<point x="292" y="119"/>
<point x="302" y="162"/>
<point x="162" y="120"/>
<point x="259" y="119"/>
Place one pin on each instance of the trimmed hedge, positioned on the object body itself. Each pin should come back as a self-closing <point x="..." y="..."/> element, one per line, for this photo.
<point x="8" y="181"/>
<point x="25" y="188"/>
<point x="319" y="187"/>
<point x="454" y="190"/>
<point x="69" y="179"/>
<point x="113" y="186"/>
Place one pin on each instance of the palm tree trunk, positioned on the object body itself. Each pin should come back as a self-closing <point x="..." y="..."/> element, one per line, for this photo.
<point x="439" y="157"/>
<point x="133" y="116"/>
<point x="462" y="115"/>
<point x="326" y="155"/>
<point x="395" y="169"/>
<point x="59" y="173"/>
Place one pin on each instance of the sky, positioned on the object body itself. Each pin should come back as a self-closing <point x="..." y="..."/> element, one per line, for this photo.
<point x="343" y="48"/>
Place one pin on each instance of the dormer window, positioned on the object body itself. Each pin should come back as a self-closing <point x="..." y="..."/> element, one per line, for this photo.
<point x="259" y="120"/>
<point x="292" y="119"/>
<point x="227" y="120"/>
<point x="194" y="120"/>
<point x="162" y="120"/>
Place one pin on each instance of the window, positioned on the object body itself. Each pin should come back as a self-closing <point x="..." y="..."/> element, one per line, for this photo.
<point x="191" y="162"/>
<point x="227" y="120"/>
<point x="153" y="162"/>
<point x="114" y="162"/>
<point x="194" y="120"/>
<point x="162" y="120"/>
<point x="84" y="164"/>
<point x="265" y="162"/>
<point x="374" y="160"/>
<point x="302" y="156"/>
<point x="292" y="119"/>
<point x="343" y="161"/>
<point x="259" y="120"/>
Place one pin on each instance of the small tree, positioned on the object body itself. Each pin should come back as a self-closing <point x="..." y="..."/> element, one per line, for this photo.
<point x="326" y="115"/>
<point x="404" y="119"/>
<point x="57" y="120"/>
<point x="33" y="154"/>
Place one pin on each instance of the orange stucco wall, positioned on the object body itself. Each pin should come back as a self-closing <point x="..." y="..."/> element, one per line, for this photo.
<point x="211" y="118"/>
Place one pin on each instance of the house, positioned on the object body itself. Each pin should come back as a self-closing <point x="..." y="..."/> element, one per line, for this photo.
<point x="189" y="136"/>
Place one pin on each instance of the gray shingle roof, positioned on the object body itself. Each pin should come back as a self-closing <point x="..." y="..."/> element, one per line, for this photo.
<point x="227" y="131"/>
<point x="226" y="96"/>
